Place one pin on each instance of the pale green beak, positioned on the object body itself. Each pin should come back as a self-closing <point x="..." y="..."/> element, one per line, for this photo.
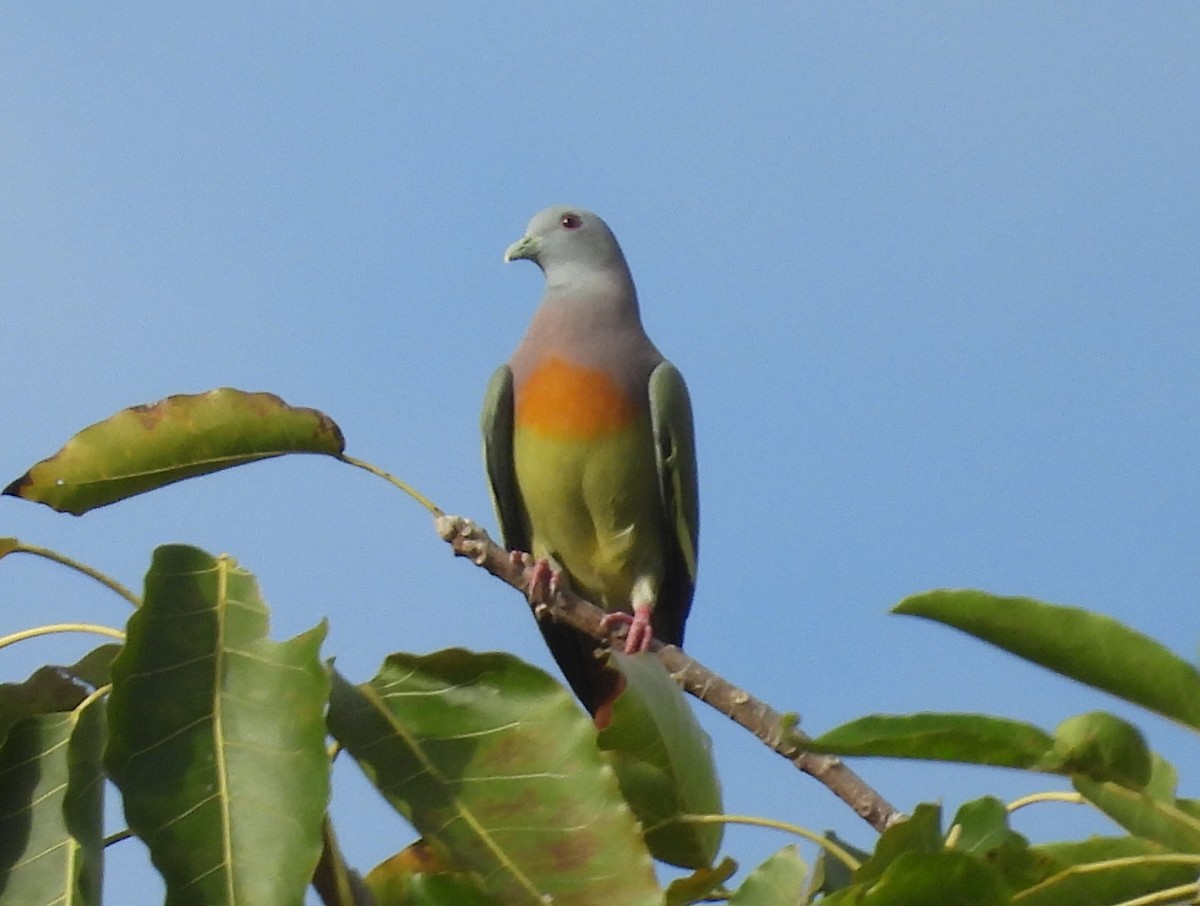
<point x="526" y="247"/>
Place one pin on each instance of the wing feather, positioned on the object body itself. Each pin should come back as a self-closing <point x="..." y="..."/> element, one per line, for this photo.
<point x="496" y="423"/>
<point x="675" y="453"/>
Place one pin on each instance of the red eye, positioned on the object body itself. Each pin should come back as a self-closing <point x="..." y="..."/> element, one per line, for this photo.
<point x="571" y="221"/>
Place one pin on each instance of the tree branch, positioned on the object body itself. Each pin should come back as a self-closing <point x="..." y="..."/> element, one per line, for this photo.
<point x="774" y="729"/>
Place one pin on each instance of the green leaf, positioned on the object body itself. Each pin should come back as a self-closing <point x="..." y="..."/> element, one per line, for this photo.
<point x="779" y="881"/>
<point x="1143" y="815"/>
<point x="982" y="826"/>
<point x="83" y="802"/>
<point x="54" y="689"/>
<point x="1088" y="647"/>
<point x="919" y="832"/>
<point x="702" y="885"/>
<point x="1164" y="780"/>
<point x="419" y="876"/>
<point x="1102" y="747"/>
<point x="1190" y="807"/>
<point x="491" y="761"/>
<point x="429" y="890"/>
<point x="334" y="881"/>
<point x="1104" y="870"/>
<point x="217" y="736"/>
<point x="47" y="691"/>
<point x="830" y="873"/>
<point x="664" y="763"/>
<point x="981" y="829"/>
<point x="946" y="878"/>
<point x="95" y="667"/>
<point x="146" y="447"/>
<point x="970" y="738"/>
<point x="52" y="809"/>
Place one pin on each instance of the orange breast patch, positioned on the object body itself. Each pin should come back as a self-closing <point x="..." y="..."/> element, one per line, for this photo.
<point x="569" y="401"/>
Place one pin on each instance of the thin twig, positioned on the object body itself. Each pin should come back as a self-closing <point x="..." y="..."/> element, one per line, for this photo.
<point x="774" y="729"/>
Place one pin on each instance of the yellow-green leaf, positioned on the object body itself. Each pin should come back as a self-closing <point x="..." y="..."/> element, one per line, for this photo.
<point x="1088" y="647"/>
<point x="1143" y="815"/>
<point x="1101" y="746"/>
<point x="779" y="880"/>
<point x="702" y="885"/>
<point x="1105" y="870"/>
<point x="946" y="878"/>
<point x="146" y="447"/>
<point x="971" y="738"/>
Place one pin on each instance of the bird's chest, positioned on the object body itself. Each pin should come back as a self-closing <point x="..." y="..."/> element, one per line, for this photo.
<point x="585" y="464"/>
<point x="565" y="401"/>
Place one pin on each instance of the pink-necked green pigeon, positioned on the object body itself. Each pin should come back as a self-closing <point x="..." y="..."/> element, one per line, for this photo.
<point x="589" y="449"/>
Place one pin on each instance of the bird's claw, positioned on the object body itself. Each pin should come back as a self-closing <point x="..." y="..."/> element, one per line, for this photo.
<point x="640" y="633"/>
<point x="544" y="581"/>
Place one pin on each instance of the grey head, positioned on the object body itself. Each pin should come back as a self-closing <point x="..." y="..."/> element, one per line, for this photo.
<point x="572" y="246"/>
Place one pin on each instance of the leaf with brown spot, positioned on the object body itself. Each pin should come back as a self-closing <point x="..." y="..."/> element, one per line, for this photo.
<point x="146" y="447"/>
<point x="493" y="763"/>
<point x="422" y="876"/>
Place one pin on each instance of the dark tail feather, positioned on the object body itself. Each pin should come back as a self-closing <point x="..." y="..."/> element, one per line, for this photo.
<point x="594" y="684"/>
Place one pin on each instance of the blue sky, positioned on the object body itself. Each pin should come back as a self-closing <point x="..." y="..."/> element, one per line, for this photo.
<point x="931" y="272"/>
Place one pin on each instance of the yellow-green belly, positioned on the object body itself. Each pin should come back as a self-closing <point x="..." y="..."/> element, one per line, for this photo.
<point x="593" y="506"/>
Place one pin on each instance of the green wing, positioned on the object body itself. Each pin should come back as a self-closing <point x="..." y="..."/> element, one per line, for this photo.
<point x="675" y="453"/>
<point x="496" y="422"/>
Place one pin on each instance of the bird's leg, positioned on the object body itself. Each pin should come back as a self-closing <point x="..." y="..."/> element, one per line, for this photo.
<point x="545" y="579"/>
<point x="640" y="633"/>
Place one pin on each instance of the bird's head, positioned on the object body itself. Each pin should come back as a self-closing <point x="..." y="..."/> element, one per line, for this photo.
<point x="565" y="242"/>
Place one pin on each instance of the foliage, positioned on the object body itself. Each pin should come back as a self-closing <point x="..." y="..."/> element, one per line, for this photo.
<point x="219" y="743"/>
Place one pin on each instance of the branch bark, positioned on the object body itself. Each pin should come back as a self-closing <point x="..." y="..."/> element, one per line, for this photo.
<point x="776" y="730"/>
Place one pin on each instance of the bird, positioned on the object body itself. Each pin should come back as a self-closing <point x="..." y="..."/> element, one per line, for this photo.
<point x="590" y="450"/>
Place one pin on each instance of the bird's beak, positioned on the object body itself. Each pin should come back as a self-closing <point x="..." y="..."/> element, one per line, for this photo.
<point x="525" y="247"/>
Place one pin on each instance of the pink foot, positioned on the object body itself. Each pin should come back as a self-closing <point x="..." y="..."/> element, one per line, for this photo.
<point x="544" y="581"/>
<point x="640" y="633"/>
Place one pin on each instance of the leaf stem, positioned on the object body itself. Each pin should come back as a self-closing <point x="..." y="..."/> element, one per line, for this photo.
<point x="109" y="582"/>
<point x="408" y="489"/>
<point x="95" y="696"/>
<point x="826" y="844"/>
<point x="118" y="837"/>
<point x="1048" y="796"/>
<point x="1164" y="897"/>
<point x="52" y="628"/>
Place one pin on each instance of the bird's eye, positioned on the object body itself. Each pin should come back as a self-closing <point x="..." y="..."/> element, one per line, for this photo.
<point x="571" y="221"/>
